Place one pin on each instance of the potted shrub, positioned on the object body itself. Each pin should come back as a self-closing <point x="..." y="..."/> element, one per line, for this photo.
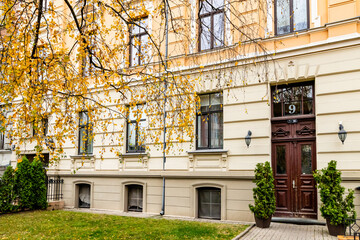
<point x="264" y="195"/>
<point x="336" y="209"/>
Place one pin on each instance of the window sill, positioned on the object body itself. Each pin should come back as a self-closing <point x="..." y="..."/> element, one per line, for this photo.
<point x="290" y="34"/>
<point x="87" y="156"/>
<point x="211" y="49"/>
<point x="208" y="151"/>
<point x="133" y="154"/>
<point x="5" y="151"/>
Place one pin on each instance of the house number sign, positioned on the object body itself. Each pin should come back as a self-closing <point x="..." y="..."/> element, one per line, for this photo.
<point x="292" y="109"/>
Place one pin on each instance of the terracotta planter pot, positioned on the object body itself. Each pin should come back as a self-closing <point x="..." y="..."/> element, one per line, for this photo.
<point x="262" y="223"/>
<point x="335" y="230"/>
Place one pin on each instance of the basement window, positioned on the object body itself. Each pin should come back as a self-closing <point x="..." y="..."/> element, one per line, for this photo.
<point x="209" y="205"/>
<point x="84" y="196"/>
<point x="135" y="198"/>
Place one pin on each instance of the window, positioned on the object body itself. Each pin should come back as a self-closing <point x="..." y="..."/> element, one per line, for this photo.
<point x="291" y="16"/>
<point x="209" y="205"/>
<point x="136" y="129"/>
<point x="211" y="19"/>
<point x="84" y="195"/>
<point x="138" y="42"/>
<point x="2" y="139"/>
<point x="41" y="128"/>
<point x="294" y="99"/>
<point x="210" y="122"/>
<point x="135" y="198"/>
<point x="4" y="131"/>
<point x="85" y="134"/>
<point x="45" y="5"/>
<point x="41" y="65"/>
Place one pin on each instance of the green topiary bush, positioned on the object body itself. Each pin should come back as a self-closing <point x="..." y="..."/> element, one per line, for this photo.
<point x="7" y="191"/>
<point x="26" y="186"/>
<point x="23" y="184"/>
<point x="334" y="207"/>
<point x="38" y="180"/>
<point x="264" y="192"/>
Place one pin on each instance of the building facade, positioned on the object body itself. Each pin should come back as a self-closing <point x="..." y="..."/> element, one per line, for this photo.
<point x="290" y="101"/>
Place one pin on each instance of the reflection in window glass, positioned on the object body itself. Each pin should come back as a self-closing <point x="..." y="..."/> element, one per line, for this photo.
<point x="282" y="16"/>
<point x="218" y="29"/>
<point x="306" y="159"/>
<point x="206" y="35"/>
<point x="280" y="159"/>
<point x="300" y="15"/>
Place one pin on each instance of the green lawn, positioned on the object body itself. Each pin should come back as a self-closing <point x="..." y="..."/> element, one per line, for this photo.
<point x="75" y="225"/>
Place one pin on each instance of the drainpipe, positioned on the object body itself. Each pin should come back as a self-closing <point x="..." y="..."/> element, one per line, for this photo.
<point x="165" y="88"/>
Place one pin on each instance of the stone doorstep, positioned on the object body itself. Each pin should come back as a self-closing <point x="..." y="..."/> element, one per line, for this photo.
<point x="55" y="205"/>
<point x="341" y="237"/>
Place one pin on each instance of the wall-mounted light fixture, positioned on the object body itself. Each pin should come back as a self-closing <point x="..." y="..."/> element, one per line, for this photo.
<point x="342" y="133"/>
<point x="248" y="138"/>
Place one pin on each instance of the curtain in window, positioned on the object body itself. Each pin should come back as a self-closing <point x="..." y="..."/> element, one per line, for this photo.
<point x="84" y="195"/>
<point x="203" y="130"/>
<point x="216" y="130"/>
<point x="135" y="198"/>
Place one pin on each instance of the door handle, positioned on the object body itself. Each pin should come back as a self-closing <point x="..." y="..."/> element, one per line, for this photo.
<point x="293" y="183"/>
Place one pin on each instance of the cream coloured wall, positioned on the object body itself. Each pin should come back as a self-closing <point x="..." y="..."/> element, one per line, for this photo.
<point x="327" y="55"/>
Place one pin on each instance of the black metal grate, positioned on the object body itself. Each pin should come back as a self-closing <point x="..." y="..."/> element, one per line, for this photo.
<point x="354" y="228"/>
<point x="54" y="189"/>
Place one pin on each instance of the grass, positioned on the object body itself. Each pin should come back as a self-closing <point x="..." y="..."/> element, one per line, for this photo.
<point x="76" y="225"/>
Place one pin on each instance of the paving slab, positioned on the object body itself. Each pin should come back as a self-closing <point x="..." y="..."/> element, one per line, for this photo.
<point x="283" y="231"/>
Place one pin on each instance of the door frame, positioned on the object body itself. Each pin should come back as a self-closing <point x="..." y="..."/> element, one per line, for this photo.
<point x="290" y="135"/>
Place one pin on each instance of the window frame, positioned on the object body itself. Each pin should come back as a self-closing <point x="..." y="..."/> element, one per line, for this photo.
<point x="208" y="113"/>
<point x="2" y="140"/>
<point x="43" y="127"/>
<point x="128" y="122"/>
<point x="88" y="129"/>
<point x="5" y="134"/>
<point x="211" y="14"/>
<point x="210" y="190"/>
<point x="140" y="189"/>
<point x="302" y="115"/>
<point x="291" y="8"/>
<point x="138" y="36"/>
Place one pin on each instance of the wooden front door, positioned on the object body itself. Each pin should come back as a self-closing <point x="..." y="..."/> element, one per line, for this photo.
<point x="293" y="164"/>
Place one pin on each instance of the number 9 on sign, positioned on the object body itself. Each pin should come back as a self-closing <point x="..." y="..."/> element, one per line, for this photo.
<point x="292" y="109"/>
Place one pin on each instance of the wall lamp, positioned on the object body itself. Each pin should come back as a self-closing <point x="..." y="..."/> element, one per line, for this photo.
<point x="342" y="133"/>
<point x="248" y="138"/>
